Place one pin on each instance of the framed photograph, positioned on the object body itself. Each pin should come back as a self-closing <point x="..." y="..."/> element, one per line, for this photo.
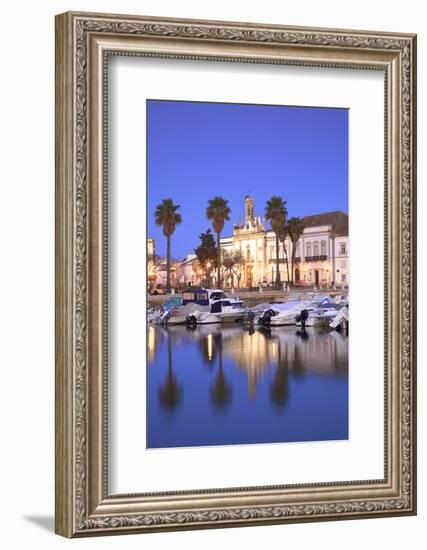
<point x="235" y="274"/>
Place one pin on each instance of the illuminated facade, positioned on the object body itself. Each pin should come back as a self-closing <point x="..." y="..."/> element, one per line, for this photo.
<point x="321" y="256"/>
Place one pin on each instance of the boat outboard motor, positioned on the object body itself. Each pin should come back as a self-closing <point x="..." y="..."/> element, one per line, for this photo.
<point x="302" y="318"/>
<point x="191" y="320"/>
<point x="266" y="317"/>
<point x="164" y="317"/>
<point x="250" y="316"/>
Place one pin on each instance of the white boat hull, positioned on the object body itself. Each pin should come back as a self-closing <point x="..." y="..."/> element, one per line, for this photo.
<point x="177" y="320"/>
<point x="208" y="319"/>
<point x="316" y="319"/>
<point x="232" y="317"/>
<point x="224" y="317"/>
<point x="283" y="320"/>
<point x="312" y="322"/>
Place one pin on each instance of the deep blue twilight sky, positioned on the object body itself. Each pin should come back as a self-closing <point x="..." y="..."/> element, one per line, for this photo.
<point x="199" y="150"/>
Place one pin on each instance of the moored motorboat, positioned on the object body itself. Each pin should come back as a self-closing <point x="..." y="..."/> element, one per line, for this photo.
<point x="319" y="314"/>
<point x="196" y="305"/>
<point x="282" y="314"/>
<point x="179" y="315"/>
<point x="316" y="318"/>
<point x="221" y="311"/>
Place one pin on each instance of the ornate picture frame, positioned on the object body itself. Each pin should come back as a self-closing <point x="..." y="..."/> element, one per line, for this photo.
<point x="84" y="506"/>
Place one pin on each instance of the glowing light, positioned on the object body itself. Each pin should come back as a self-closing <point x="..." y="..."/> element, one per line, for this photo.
<point x="151" y="339"/>
<point x="209" y="338"/>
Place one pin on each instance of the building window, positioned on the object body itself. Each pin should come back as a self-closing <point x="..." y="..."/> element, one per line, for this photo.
<point x="308" y="249"/>
<point x="343" y="249"/>
<point x="271" y="252"/>
<point x="323" y="248"/>
<point x="297" y="251"/>
<point x="343" y="277"/>
<point x="315" y="248"/>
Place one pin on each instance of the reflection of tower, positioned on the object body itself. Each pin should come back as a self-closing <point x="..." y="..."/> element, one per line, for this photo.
<point x="249" y="209"/>
<point x="251" y="353"/>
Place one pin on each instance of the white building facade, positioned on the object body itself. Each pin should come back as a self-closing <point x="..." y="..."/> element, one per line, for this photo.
<point x="321" y="256"/>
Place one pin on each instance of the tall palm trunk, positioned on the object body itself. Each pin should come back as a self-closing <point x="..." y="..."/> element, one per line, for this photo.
<point x="218" y="244"/>
<point x="286" y="259"/>
<point x="168" y="263"/>
<point x="277" y="263"/>
<point x="292" y="262"/>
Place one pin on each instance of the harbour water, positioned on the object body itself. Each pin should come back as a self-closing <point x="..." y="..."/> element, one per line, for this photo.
<point x="225" y="385"/>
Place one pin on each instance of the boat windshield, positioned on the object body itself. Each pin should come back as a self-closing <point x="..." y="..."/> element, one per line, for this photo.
<point x="217" y="296"/>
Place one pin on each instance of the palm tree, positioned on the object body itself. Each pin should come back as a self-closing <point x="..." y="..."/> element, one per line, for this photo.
<point x="295" y="230"/>
<point x="275" y="213"/>
<point x="284" y="232"/>
<point x="166" y="215"/>
<point x="219" y="212"/>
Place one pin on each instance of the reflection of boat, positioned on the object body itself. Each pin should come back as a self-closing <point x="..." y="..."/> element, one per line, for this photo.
<point x="283" y="314"/>
<point x="221" y="311"/>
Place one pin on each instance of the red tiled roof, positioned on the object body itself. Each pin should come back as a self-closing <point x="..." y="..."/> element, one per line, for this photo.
<point x="337" y="219"/>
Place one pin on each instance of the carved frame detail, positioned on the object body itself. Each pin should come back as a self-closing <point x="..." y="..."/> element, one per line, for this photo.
<point x="83" y="506"/>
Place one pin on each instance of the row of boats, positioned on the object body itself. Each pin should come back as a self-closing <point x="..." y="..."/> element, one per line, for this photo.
<point x="209" y="306"/>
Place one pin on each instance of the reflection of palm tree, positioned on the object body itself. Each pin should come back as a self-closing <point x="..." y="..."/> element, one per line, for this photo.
<point x="298" y="366"/>
<point x="221" y="390"/>
<point x="279" y="391"/>
<point x="170" y="393"/>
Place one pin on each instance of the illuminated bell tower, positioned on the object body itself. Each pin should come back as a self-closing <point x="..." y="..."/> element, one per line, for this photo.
<point x="249" y="210"/>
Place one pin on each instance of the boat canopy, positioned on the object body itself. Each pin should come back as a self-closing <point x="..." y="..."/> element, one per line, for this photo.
<point x="289" y="306"/>
<point x="202" y="296"/>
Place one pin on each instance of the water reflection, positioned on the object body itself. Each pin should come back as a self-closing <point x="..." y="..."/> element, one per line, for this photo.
<point x="260" y="385"/>
<point x="279" y="390"/>
<point x="170" y="392"/>
<point x="221" y="390"/>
